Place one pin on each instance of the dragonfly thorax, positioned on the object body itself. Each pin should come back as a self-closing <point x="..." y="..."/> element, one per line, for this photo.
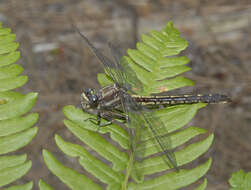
<point x="89" y="99"/>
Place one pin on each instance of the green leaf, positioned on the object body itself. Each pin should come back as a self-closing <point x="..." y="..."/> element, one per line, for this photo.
<point x="171" y="84"/>
<point x="10" y="174"/>
<point x="16" y="131"/>
<point x="104" y="80"/>
<point x="27" y="186"/>
<point x="11" y="83"/>
<point x="90" y="163"/>
<point x="184" y="156"/>
<point x="156" y="58"/>
<point x="178" y="116"/>
<point x="177" y="139"/>
<point x="100" y="145"/>
<point x="17" y="105"/>
<point x="16" y="141"/>
<point x="10" y="71"/>
<point x="240" y="180"/>
<point x="174" y="180"/>
<point x="172" y="61"/>
<point x="202" y="186"/>
<point x="7" y="59"/>
<point x="4" y="31"/>
<point x="7" y="38"/>
<point x="70" y="177"/>
<point x="44" y="186"/>
<point x="117" y="133"/>
<point x="11" y="161"/>
<point x="17" y="124"/>
<point x="8" y="47"/>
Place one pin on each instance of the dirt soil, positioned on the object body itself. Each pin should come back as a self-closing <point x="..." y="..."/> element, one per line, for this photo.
<point x="59" y="66"/>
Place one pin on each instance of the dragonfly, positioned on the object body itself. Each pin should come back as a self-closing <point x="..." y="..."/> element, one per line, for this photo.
<point x="119" y="101"/>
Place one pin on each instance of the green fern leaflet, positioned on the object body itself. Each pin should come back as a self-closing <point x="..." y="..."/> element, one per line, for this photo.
<point x="16" y="131"/>
<point x="240" y="180"/>
<point x="157" y="65"/>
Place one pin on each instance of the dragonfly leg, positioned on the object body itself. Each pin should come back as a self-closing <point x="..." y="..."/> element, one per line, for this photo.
<point x="93" y="120"/>
<point x="109" y="122"/>
<point x="96" y="121"/>
<point x="110" y="116"/>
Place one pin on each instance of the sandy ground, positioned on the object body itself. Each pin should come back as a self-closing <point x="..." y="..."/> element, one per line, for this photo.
<point x="59" y="65"/>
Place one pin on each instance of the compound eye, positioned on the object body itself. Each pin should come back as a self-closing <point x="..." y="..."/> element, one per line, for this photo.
<point x="88" y="90"/>
<point x="94" y="98"/>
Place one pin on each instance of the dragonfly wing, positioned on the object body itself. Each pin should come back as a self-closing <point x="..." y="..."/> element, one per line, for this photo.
<point x="135" y="122"/>
<point x="160" y="135"/>
<point x="119" y="69"/>
<point x="136" y="126"/>
<point x="111" y="68"/>
<point x="130" y="80"/>
<point x="144" y="126"/>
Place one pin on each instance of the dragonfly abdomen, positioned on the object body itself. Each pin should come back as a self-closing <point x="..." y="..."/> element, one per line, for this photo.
<point x="182" y="99"/>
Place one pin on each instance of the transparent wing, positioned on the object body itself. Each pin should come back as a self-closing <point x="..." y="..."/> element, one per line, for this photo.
<point x="142" y="123"/>
<point x="115" y="71"/>
<point x="161" y="135"/>
<point x="136" y="123"/>
<point x="130" y="80"/>
<point x="119" y="69"/>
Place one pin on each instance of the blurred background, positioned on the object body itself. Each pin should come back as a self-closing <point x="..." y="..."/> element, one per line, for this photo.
<point x="59" y="65"/>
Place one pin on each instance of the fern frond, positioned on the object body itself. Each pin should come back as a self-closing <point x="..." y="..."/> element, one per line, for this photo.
<point x="240" y="180"/>
<point x="16" y="131"/>
<point x="202" y="186"/>
<point x="44" y="186"/>
<point x="27" y="186"/>
<point x="155" y="60"/>
<point x="70" y="177"/>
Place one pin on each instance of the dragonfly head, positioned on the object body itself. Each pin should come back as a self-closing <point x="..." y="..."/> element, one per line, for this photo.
<point x="89" y="99"/>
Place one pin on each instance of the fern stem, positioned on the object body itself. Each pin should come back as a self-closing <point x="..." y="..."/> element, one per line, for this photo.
<point x="128" y="171"/>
